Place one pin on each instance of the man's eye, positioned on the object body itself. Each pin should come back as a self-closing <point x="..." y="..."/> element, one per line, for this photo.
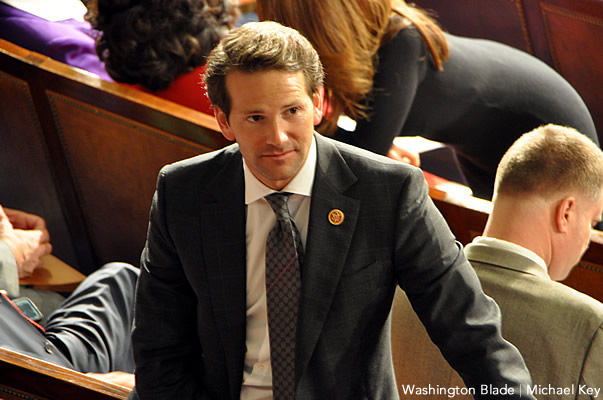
<point x="254" y="118"/>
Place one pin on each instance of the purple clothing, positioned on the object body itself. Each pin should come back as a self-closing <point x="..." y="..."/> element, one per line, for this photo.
<point x="69" y="41"/>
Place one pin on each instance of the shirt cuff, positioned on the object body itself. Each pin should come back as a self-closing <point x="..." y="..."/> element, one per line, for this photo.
<point x="9" y="274"/>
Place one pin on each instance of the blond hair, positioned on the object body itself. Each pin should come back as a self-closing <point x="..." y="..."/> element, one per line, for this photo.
<point x="550" y="160"/>
<point x="347" y="35"/>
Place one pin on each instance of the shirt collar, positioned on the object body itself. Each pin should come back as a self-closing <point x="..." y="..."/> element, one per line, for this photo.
<point x="515" y="248"/>
<point x="300" y="184"/>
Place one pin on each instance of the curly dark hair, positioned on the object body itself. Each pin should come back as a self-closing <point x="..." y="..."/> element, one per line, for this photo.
<point x="151" y="42"/>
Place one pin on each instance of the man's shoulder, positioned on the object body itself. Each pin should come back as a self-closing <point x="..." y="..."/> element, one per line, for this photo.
<point x="516" y="286"/>
<point x="210" y="161"/>
<point x="368" y="174"/>
<point x="360" y="159"/>
<point x="578" y="300"/>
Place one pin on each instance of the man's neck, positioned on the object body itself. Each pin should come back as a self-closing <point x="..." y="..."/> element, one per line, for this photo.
<point x="524" y="222"/>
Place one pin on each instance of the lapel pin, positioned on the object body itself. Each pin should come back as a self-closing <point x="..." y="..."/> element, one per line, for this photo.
<point x="336" y="217"/>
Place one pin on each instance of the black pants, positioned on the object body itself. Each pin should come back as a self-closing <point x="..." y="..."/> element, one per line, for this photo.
<point x="89" y="332"/>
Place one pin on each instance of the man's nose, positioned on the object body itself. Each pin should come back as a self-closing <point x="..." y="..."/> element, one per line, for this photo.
<point x="277" y="133"/>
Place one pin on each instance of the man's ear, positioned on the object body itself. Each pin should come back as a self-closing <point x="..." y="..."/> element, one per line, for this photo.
<point x="224" y="124"/>
<point x="565" y="212"/>
<point x="317" y="99"/>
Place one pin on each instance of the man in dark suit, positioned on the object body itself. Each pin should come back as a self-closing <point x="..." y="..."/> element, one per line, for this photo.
<point x="203" y="322"/>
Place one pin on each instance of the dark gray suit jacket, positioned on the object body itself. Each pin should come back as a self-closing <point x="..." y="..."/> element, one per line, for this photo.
<point x="189" y="335"/>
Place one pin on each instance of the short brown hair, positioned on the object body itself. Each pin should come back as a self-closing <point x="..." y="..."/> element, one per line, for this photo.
<point x="260" y="46"/>
<point x="551" y="159"/>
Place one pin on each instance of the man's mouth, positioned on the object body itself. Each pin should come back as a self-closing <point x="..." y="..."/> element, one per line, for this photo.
<point x="278" y="154"/>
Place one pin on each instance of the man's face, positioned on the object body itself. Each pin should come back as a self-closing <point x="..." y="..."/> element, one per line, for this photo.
<point x="272" y="118"/>
<point x="577" y="238"/>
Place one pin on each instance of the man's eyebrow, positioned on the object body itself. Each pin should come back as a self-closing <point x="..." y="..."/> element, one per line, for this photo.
<point x="252" y="111"/>
<point x="296" y="103"/>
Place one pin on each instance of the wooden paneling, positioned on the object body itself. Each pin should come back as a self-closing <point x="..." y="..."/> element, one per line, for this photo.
<point x="114" y="162"/>
<point x="568" y="34"/>
<point x="499" y="20"/>
<point x="88" y="151"/>
<point x="27" y="180"/>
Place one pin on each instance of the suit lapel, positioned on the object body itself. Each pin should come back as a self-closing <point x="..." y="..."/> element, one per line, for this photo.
<point x="323" y="264"/>
<point x="224" y="249"/>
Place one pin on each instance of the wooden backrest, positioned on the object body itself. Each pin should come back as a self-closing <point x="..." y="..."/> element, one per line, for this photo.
<point x="84" y="153"/>
<point x="26" y="172"/>
<point x="417" y="361"/>
<point x="24" y="377"/>
<point x="566" y="34"/>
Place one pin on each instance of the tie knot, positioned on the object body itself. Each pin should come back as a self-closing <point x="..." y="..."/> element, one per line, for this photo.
<point x="278" y="202"/>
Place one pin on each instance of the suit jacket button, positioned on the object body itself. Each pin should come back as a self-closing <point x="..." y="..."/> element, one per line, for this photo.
<point x="48" y="347"/>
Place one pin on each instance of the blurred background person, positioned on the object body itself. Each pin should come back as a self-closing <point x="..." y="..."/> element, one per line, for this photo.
<point x="161" y="46"/>
<point x="55" y="28"/>
<point x="393" y="71"/>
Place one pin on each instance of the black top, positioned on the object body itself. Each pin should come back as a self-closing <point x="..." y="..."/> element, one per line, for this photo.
<point x="487" y="96"/>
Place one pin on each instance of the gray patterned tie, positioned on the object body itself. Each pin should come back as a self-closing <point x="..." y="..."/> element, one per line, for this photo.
<point x="283" y="283"/>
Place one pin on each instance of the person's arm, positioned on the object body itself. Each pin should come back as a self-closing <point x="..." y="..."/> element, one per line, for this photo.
<point x="402" y="66"/>
<point x="593" y="364"/>
<point x="27" y="238"/>
<point x="407" y="156"/>
<point x="446" y="294"/>
<point x="165" y="339"/>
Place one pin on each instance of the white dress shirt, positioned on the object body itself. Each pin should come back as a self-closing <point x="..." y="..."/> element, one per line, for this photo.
<point x="257" y="376"/>
<point x="9" y="273"/>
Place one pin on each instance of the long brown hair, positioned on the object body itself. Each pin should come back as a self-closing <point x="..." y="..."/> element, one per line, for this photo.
<point x="347" y="35"/>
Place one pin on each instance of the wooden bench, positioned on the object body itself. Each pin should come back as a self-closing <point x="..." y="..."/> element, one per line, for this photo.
<point x="84" y="154"/>
<point x="24" y="377"/>
<point x="417" y="360"/>
<point x="54" y="274"/>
